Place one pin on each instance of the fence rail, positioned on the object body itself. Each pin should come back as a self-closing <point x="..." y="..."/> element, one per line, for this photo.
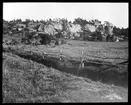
<point x="61" y="55"/>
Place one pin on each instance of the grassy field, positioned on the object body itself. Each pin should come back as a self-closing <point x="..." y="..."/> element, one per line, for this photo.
<point x="25" y="81"/>
<point x="91" y="49"/>
<point x="28" y="78"/>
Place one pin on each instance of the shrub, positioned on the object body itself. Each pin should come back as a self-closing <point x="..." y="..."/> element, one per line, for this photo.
<point x="57" y="42"/>
<point x="63" y="41"/>
<point x="46" y="39"/>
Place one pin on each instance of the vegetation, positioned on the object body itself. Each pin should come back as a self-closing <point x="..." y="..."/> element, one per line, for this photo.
<point x="30" y="81"/>
<point x="35" y="73"/>
<point x="25" y="81"/>
<point x="62" y="28"/>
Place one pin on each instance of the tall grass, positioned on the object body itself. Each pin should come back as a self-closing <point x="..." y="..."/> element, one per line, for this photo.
<point x="26" y="81"/>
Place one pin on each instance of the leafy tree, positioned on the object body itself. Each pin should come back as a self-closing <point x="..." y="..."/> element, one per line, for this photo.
<point x="26" y="22"/>
<point x="46" y="39"/>
<point x="117" y="31"/>
<point x="64" y="24"/>
<point x="80" y="21"/>
<point x="95" y="22"/>
<point x="18" y="21"/>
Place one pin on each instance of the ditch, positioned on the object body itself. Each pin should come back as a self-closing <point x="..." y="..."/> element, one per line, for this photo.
<point x="95" y="72"/>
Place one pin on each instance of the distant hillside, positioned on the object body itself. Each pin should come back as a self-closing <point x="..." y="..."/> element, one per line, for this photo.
<point x="32" y="31"/>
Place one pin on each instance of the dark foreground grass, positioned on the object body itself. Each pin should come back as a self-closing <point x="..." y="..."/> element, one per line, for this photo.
<point x="25" y="81"/>
<point x="116" y="74"/>
<point x="29" y="81"/>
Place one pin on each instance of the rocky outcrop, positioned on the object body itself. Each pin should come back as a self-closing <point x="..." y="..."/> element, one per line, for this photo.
<point x="90" y="28"/>
<point x="61" y="28"/>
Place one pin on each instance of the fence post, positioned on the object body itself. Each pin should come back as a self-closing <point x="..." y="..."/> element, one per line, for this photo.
<point x="82" y="61"/>
<point x="61" y="57"/>
<point x="60" y="54"/>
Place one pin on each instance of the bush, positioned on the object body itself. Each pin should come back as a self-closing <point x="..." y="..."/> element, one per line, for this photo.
<point x="63" y="41"/>
<point x="46" y="39"/>
<point x="25" y="40"/>
<point x="57" y="42"/>
<point x="99" y="36"/>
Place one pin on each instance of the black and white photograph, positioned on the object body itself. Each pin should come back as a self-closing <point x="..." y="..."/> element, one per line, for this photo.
<point x="65" y="52"/>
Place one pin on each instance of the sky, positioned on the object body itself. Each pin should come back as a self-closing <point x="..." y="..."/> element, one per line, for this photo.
<point x="116" y="13"/>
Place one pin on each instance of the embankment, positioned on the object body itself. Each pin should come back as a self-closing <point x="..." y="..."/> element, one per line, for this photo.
<point x="117" y="75"/>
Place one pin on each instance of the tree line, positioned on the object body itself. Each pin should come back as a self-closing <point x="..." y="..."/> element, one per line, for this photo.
<point x="43" y="31"/>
